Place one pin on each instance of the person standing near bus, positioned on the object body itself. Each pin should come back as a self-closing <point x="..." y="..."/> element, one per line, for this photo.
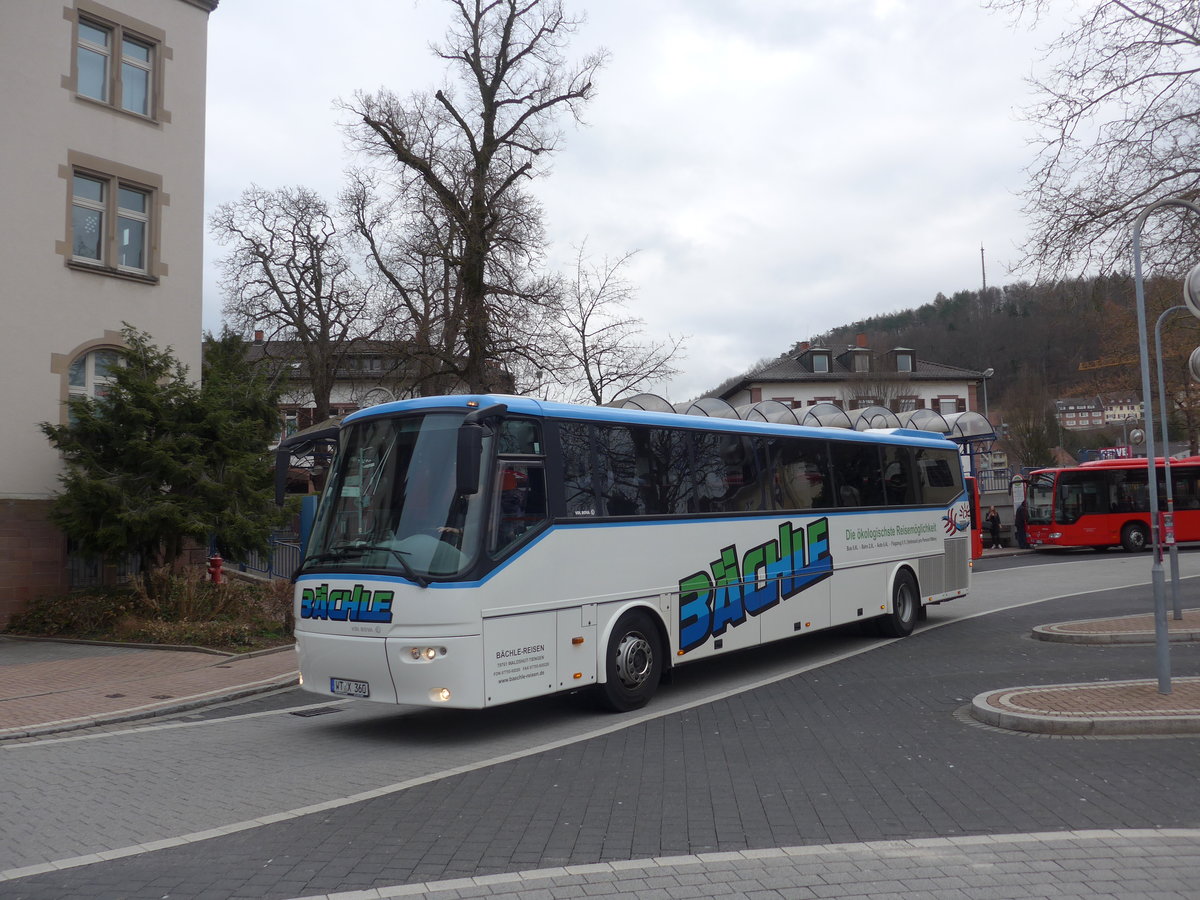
<point x="1020" y="518"/>
<point x="992" y="519"/>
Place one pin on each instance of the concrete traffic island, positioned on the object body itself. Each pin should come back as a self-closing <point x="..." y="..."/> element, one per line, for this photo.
<point x="1101" y="707"/>
<point x="1095" y="708"/>
<point x="1135" y="629"/>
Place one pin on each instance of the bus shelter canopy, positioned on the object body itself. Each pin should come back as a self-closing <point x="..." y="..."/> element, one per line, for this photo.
<point x="969" y="428"/>
<point x="874" y="417"/>
<point x="769" y="411"/>
<point x="826" y="415"/>
<point x="648" y="402"/>
<point x="709" y="406"/>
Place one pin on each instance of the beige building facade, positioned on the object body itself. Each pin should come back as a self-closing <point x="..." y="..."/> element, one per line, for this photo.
<point x="102" y="152"/>
<point x="858" y="377"/>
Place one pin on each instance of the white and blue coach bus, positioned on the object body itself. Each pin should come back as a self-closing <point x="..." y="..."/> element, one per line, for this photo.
<point x="470" y="551"/>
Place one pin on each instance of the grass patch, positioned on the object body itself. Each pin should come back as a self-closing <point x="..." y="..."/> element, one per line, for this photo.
<point x="182" y="609"/>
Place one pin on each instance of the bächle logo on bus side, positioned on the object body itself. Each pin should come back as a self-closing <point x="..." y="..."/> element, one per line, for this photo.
<point x="957" y="519"/>
<point x="356" y="604"/>
<point x="753" y="582"/>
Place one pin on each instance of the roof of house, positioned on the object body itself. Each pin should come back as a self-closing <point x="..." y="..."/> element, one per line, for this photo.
<point x="797" y="368"/>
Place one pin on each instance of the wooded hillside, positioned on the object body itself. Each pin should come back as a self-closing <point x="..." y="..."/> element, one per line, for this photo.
<point x="1036" y="335"/>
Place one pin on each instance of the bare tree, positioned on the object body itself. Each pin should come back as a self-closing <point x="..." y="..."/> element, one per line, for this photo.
<point x="410" y="247"/>
<point x="1032" y="428"/>
<point x="601" y="347"/>
<point x="471" y="151"/>
<point x="1119" y="123"/>
<point x="288" y="274"/>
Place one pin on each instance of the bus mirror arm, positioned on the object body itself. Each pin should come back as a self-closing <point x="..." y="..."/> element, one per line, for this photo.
<point x="470" y="447"/>
<point x="297" y="443"/>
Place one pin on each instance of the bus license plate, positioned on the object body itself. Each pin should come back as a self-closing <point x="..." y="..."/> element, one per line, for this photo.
<point x="349" y="688"/>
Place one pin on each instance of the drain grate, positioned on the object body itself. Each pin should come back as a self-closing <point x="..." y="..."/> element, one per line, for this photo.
<point x="316" y="711"/>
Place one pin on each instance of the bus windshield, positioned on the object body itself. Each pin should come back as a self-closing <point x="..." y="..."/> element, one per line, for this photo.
<point x="1040" y="499"/>
<point x="392" y="501"/>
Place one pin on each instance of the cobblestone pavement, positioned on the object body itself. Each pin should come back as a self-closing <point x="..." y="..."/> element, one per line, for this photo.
<point x="49" y="687"/>
<point x="1159" y="864"/>
<point x="864" y="777"/>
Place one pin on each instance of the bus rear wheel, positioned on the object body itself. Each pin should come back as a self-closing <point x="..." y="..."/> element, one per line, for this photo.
<point x="905" y="603"/>
<point x="1134" y="537"/>
<point x="633" y="664"/>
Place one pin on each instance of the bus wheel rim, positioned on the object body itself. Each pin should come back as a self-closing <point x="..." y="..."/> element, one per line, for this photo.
<point x="905" y="607"/>
<point x="635" y="659"/>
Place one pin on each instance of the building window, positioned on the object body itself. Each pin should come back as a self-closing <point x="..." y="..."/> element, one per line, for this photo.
<point x="91" y="374"/>
<point x="904" y="362"/>
<point x="820" y="362"/>
<point x="89" y="377"/>
<point x="110" y="222"/>
<point x="88" y="198"/>
<point x="862" y="362"/>
<point x="947" y="405"/>
<point x="116" y="65"/>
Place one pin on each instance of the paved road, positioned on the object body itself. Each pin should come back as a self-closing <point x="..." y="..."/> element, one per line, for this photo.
<point x="829" y="740"/>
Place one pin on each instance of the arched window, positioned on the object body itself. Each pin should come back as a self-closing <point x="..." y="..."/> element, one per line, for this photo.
<point x="90" y="374"/>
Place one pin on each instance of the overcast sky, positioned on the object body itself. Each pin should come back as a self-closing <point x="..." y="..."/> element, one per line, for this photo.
<point x="783" y="166"/>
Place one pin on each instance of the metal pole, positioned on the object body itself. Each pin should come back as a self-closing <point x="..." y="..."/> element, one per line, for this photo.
<point x="1169" y="521"/>
<point x="1161" y="641"/>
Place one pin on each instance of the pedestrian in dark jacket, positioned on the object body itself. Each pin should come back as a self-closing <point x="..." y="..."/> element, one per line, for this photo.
<point x="1020" y="520"/>
<point x="992" y="520"/>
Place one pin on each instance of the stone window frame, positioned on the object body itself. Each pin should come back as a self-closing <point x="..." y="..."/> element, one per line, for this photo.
<point x="60" y="365"/>
<point x="120" y="26"/>
<point x="116" y="176"/>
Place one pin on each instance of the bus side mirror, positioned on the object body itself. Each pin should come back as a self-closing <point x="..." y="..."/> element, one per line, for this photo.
<point x="470" y="447"/>
<point x="470" y="454"/>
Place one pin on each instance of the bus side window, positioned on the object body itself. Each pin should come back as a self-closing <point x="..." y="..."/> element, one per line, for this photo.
<point x="579" y="494"/>
<point x="617" y="470"/>
<point x="520" y="506"/>
<point x="936" y="472"/>
<point x="801" y="473"/>
<point x="661" y="463"/>
<point x="726" y="480"/>
<point x="857" y="473"/>
<point x="899" y="480"/>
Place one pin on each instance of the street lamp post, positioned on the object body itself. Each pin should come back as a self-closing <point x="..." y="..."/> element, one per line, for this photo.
<point x="1161" y="637"/>
<point x="1169" y="521"/>
<point x="1125" y="433"/>
<point x="987" y="373"/>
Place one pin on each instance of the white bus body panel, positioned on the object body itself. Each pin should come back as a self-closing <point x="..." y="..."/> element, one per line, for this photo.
<point x="539" y="623"/>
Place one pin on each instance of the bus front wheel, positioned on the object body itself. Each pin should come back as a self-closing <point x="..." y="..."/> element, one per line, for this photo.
<point x="1134" y="537"/>
<point x="633" y="663"/>
<point x="905" y="603"/>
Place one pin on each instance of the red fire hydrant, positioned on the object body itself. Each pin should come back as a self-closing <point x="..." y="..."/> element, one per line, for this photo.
<point x="214" y="567"/>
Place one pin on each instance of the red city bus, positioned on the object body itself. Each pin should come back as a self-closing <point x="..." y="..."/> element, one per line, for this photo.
<point x="1106" y="502"/>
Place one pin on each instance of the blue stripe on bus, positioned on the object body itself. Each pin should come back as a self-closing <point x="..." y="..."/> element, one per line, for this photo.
<point x="547" y="409"/>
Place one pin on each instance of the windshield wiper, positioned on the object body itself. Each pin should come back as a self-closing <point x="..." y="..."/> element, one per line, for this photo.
<point x="341" y="551"/>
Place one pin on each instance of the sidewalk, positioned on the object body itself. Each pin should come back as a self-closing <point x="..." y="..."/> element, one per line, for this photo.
<point x="52" y="686"/>
<point x="56" y="686"/>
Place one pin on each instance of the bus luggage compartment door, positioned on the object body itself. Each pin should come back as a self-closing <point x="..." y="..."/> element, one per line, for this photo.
<point x="519" y="658"/>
